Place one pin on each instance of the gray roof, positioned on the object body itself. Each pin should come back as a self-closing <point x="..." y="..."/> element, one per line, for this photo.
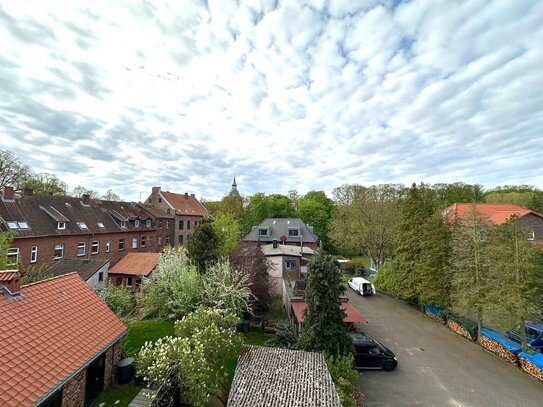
<point x="84" y="267"/>
<point x="278" y="227"/>
<point x="275" y="377"/>
<point x="286" y="250"/>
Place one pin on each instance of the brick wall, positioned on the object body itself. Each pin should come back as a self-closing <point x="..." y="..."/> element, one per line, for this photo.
<point x="113" y="356"/>
<point x="73" y="394"/>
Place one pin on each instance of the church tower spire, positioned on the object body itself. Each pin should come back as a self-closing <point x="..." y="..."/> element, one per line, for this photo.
<point x="234" y="191"/>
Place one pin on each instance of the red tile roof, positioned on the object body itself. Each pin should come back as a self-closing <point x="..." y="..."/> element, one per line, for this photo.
<point x="185" y="204"/>
<point x="353" y="316"/>
<point x="495" y="213"/>
<point x="136" y="264"/>
<point x="57" y="327"/>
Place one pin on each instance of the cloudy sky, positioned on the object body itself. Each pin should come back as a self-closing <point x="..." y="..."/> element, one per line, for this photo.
<point x="287" y="94"/>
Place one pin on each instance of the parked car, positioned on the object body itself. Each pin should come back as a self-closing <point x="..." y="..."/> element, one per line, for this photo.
<point x="361" y="286"/>
<point x="534" y="335"/>
<point x="371" y="354"/>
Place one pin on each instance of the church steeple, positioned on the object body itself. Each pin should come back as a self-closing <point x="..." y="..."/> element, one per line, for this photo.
<point x="234" y="191"/>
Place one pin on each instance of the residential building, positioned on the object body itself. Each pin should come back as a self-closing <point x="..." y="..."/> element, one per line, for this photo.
<point x="132" y="268"/>
<point x="498" y="213"/>
<point x="290" y="231"/>
<point x="92" y="271"/>
<point x="186" y="210"/>
<point x="276" y="377"/>
<point x="61" y="343"/>
<point x="48" y="228"/>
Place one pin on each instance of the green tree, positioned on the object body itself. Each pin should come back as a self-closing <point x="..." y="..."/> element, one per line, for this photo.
<point x="317" y="209"/>
<point x="111" y="196"/>
<point x="6" y="238"/>
<point x="228" y="230"/>
<point x="12" y="171"/>
<point x="344" y="377"/>
<point x="516" y="292"/>
<point x="204" y="245"/>
<point x="457" y="192"/>
<point x="118" y="299"/>
<point x="324" y="330"/>
<point x="45" y="183"/>
<point x="262" y="206"/>
<point x="80" y="190"/>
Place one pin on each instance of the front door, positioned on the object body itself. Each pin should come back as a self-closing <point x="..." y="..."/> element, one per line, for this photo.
<point x="95" y="379"/>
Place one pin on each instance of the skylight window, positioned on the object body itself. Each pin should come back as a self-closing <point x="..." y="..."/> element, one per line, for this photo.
<point x="100" y="225"/>
<point x="23" y="225"/>
<point x="13" y="225"/>
<point x="82" y="225"/>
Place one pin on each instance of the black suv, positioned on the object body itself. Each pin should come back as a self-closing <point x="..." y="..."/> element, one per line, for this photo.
<point x="370" y="354"/>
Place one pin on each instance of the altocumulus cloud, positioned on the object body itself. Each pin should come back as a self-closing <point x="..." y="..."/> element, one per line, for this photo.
<point x="288" y="94"/>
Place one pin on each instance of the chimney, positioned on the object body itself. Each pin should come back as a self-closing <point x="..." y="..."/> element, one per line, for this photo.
<point x="274" y="243"/>
<point x="28" y="192"/>
<point x="186" y="195"/>
<point x="85" y="199"/>
<point x="10" y="283"/>
<point x="193" y="195"/>
<point x="8" y="194"/>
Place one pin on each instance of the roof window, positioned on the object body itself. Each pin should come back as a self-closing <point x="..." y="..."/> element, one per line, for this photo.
<point x="82" y="225"/>
<point x="23" y="225"/>
<point x="13" y="225"/>
<point x="100" y="225"/>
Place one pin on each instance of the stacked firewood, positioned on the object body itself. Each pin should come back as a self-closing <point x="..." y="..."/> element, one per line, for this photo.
<point x="498" y="349"/>
<point x="459" y="329"/>
<point x="530" y="368"/>
<point x="434" y="318"/>
<point x="270" y="328"/>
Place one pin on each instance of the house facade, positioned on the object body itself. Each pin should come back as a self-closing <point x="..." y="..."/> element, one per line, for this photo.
<point x="186" y="211"/>
<point x="64" y="343"/>
<point x="130" y="271"/>
<point x="289" y="231"/>
<point x="92" y="271"/>
<point x="48" y="228"/>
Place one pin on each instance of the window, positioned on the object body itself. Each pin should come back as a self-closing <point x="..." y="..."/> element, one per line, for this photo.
<point x="167" y="224"/>
<point x="82" y="225"/>
<point x="293" y="232"/>
<point x="143" y="241"/>
<point x="167" y="239"/>
<point x="181" y="226"/>
<point x="160" y="224"/>
<point x="138" y="283"/>
<point x="34" y="254"/>
<point x="290" y="264"/>
<point x="23" y="225"/>
<point x="159" y="200"/>
<point x="262" y="232"/>
<point x="13" y="225"/>
<point x="134" y="243"/>
<point x="531" y="235"/>
<point x="148" y="223"/>
<point x="150" y="200"/>
<point x="59" y="251"/>
<point x="129" y="282"/>
<point x="188" y="237"/>
<point x="100" y="225"/>
<point x="108" y="246"/>
<point x="180" y="239"/>
<point x="13" y="256"/>
<point x="101" y="276"/>
<point x="95" y="247"/>
<point x="137" y="223"/>
<point x="81" y="249"/>
<point x="160" y="240"/>
<point x="188" y="224"/>
<point x="121" y="244"/>
<point x="61" y="225"/>
<point x="122" y="223"/>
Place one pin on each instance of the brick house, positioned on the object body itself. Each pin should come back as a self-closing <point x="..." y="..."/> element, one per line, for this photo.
<point x="62" y="343"/>
<point x="132" y="268"/>
<point x="289" y="231"/>
<point x="48" y="228"/>
<point x="498" y="213"/>
<point x="186" y="210"/>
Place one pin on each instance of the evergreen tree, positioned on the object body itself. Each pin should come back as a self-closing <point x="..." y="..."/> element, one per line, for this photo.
<point x="324" y="330"/>
<point x="204" y="245"/>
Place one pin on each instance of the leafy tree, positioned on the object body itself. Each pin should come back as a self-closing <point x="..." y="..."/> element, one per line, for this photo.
<point x="262" y="206"/>
<point x="295" y="198"/>
<point x="250" y="259"/>
<point x="197" y="356"/>
<point x="227" y="229"/>
<point x="34" y="273"/>
<point x="536" y="203"/>
<point x="317" y="209"/>
<point x="324" y="330"/>
<point x="447" y="194"/>
<point x="6" y="238"/>
<point x="204" y="245"/>
<point x="45" y="183"/>
<point x="344" y="377"/>
<point x="516" y="292"/>
<point x="80" y="190"/>
<point x="118" y="299"/>
<point x="12" y="171"/>
<point x="111" y="196"/>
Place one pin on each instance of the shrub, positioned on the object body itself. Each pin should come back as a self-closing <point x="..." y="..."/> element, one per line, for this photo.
<point x="284" y="336"/>
<point x="118" y="299"/>
<point x="344" y="377"/>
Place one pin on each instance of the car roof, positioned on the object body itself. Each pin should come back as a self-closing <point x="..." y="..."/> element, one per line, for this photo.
<point x="361" y="338"/>
<point x="360" y="280"/>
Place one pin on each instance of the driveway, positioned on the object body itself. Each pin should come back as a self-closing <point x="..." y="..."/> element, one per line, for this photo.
<point x="436" y="367"/>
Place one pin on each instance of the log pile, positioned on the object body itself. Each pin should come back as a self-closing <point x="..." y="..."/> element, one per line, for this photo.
<point x="498" y="349"/>
<point x="434" y="318"/>
<point x="459" y="329"/>
<point x="270" y="328"/>
<point x="530" y="368"/>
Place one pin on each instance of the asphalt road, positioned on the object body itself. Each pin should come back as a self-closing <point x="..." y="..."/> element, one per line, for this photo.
<point x="436" y="367"/>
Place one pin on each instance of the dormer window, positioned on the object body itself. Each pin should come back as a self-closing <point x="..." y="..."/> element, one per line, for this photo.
<point x="148" y="223"/>
<point x="82" y="225"/>
<point x="262" y="232"/>
<point x="137" y="223"/>
<point x="122" y="223"/>
<point x="294" y="232"/>
<point x="531" y="235"/>
<point x="61" y="225"/>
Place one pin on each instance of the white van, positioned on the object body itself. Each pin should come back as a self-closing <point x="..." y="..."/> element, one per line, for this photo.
<point x="362" y="286"/>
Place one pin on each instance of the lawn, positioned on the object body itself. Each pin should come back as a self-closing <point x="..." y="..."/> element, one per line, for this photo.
<point x="123" y="393"/>
<point x="143" y="331"/>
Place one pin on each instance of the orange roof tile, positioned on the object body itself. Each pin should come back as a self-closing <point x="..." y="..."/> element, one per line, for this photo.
<point x="57" y="327"/>
<point x="495" y="213"/>
<point x="185" y="204"/>
<point x="136" y="264"/>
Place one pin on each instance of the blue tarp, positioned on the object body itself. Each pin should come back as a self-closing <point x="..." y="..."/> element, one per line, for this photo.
<point x="535" y="327"/>
<point x="435" y="310"/>
<point x="503" y="340"/>
<point x="536" y="359"/>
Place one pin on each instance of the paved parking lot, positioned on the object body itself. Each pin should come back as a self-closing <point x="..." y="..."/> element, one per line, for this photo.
<point x="436" y="366"/>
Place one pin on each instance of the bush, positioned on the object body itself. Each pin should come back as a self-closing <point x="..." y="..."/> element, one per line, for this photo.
<point x="344" y="377"/>
<point x="118" y="299"/>
<point x="284" y="336"/>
